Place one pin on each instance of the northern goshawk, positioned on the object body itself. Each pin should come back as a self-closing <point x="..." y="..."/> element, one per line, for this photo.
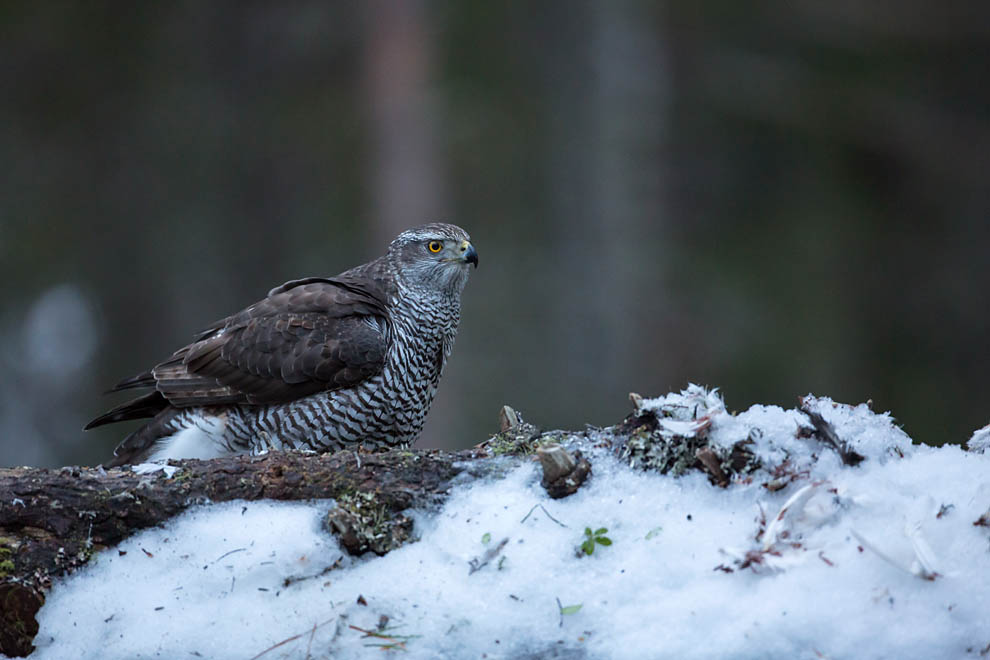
<point x="321" y="363"/>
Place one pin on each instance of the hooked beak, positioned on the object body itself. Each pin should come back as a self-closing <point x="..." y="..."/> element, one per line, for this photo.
<point x="469" y="254"/>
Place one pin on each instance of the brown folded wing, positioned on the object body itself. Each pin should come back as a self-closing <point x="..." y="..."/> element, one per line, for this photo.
<point x="304" y="338"/>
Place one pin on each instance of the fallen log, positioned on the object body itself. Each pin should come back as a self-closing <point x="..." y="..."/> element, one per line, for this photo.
<point x="53" y="520"/>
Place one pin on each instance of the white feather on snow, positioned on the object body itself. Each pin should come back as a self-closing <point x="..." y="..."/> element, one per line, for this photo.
<point x="877" y="561"/>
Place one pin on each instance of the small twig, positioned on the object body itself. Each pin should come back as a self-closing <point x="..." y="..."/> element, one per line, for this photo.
<point x="228" y="553"/>
<point x="395" y="641"/>
<point x="291" y="639"/>
<point x="526" y="517"/>
<point x="309" y="645"/>
<point x="826" y="433"/>
<point x="292" y="579"/>
<point x="551" y="517"/>
<point x="542" y="508"/>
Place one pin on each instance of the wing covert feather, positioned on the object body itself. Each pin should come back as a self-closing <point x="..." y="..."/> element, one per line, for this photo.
<point x="306" y="337"/>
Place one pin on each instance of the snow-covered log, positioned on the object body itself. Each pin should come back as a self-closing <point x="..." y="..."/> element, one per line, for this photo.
<point x="53" y="521"/>
<point x="684" y="531"/>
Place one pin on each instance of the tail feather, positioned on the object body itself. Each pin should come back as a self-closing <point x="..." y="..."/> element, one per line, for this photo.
<point x="145" y="379"/>
<point x="148" y="405"/>
<point x="139" y="444"/>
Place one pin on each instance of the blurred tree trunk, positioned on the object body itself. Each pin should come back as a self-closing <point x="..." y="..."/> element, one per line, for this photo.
<point x="405" y="178"/>
<point x="606" y="128"/>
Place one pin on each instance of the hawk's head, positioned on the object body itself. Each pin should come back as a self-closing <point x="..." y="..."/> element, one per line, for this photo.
<point x="434" y="257"/>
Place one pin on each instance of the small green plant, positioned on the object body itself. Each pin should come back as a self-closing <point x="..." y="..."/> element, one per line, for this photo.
<point x="567" y="610"/>
<point x="486" y="538"/>
<point x="593" y="537"/>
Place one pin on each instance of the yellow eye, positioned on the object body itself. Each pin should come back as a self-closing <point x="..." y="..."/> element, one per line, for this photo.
<point x="435" y="246"/>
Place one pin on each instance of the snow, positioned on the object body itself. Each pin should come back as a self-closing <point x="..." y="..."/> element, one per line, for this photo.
<point x="875" y="561"/>
<point x="980" y="441"/>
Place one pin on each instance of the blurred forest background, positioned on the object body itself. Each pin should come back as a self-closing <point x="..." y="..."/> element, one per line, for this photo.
<point x="773" y="198"/>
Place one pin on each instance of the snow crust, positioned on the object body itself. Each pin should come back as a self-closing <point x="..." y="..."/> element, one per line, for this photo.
<point x="880" y="560"/>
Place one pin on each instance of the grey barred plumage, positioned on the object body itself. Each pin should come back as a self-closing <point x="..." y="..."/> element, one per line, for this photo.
<point x="319" y="364"/>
